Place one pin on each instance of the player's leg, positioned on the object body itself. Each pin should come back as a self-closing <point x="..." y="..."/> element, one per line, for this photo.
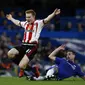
<point x="12" y="53"/>
<point x="25" y="60"/>
<point x="32" y="72"/>
<point x="30" y="54"/>
<point x="16" y="54"/>
<point x="51" y="73"/>
<point x="22" y="65"/>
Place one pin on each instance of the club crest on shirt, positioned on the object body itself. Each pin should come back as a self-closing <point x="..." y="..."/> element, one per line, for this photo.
<point x="29" y="30"/>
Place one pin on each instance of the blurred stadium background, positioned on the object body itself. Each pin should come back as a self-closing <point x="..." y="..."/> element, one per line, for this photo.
<point x="69" y="27"/>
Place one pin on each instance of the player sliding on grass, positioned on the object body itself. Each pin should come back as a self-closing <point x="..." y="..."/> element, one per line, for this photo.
<point x="64" y="67"/>
<point x="23" y="53"/>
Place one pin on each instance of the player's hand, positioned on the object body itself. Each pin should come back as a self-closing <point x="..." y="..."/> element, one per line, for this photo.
<point x="62" y="47"/>
<point x="57" y="11"/>
<point x="9" y="16"/>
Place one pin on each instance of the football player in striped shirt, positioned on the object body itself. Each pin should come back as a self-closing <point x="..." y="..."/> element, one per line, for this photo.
<point x="23" y="53"/>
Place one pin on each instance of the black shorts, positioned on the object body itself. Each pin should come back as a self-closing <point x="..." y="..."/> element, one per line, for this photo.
<point x="25" y="49"/>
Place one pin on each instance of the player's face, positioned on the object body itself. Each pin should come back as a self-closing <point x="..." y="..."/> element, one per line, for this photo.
<point x="30" y="18"/>
<point x="70" y="55"/>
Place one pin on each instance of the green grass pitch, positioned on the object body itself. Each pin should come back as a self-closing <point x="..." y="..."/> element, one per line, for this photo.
<point x="23" y="81"/>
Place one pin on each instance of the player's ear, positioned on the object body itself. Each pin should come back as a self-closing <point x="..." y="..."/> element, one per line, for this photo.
<point x="33" y="16"/>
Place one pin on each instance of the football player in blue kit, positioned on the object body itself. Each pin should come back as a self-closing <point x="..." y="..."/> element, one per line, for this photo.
<point x="64" y="67"/>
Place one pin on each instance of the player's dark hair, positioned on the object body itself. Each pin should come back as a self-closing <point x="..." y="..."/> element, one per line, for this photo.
<point x="31" y="11"/>
<point x="61" y="53"/>
<point x="70" y="51"/>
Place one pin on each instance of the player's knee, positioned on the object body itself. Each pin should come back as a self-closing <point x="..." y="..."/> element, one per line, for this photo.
<point x="49" y="57"/>
<point x="12" y="53"/>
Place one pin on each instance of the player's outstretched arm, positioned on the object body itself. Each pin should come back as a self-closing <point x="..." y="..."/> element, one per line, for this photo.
<point x="56" y="12"/>
<point x="52" y="56"/>
<point x="16" y="22"/>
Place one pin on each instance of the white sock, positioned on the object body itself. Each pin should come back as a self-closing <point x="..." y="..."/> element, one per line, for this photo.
<point x="50" y="72"/>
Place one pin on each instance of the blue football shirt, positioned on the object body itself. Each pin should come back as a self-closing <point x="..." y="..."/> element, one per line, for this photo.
<point x="67" y="68"/>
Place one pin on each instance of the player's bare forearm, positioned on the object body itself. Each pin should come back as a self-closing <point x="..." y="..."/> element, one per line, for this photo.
<point x="46" y="20"/>
<point x="52" y="56"/>
<point x="16" y="22"/>
<point x="56" y="12"/>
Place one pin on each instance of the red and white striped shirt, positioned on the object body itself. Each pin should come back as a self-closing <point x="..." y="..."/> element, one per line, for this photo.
<point x="32" y="31"/>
